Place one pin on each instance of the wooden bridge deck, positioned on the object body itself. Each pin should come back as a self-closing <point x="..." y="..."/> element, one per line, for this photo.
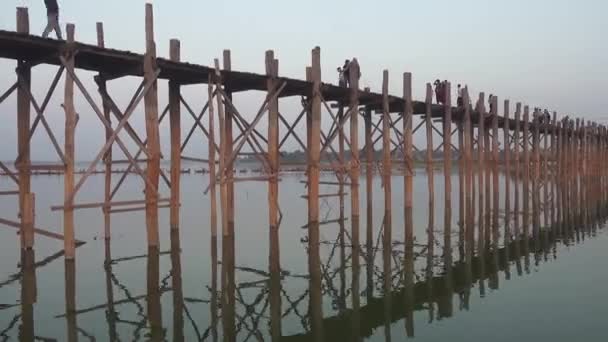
<point x="114" y="63"/>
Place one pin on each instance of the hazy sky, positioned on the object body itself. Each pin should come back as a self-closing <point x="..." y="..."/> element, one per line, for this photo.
<point x="546" y="53"/>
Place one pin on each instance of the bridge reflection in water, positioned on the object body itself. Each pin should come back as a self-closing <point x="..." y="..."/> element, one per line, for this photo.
<point x="386" y="286"/>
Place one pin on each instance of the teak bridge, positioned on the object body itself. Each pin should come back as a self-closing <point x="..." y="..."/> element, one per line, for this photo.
<point x="561" y="164"/>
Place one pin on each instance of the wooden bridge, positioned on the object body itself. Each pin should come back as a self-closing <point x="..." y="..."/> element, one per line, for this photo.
<point x="561" y="164"/>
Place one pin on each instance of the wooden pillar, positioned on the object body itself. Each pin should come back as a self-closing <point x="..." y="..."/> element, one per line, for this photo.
<point x="481" y="164"/>
<point x="355" y="166"/>
<point x="314" y="261"/>
<point x="108" y="157"/>
<point x="447" y="169"/>
<point x="559" y="167"/>
<point x="211" y="157"/>
<point x="429" y="147"/>
<point x="507" y="173"/>
<point x="553" y="166"/>
<point x="488" y="175"/>
<point x="229" y="143"/>
<point x="386" y="154"/>
<point x="273" y="140"/>
<point x="387" y="171"/>
<point x="468" y="159"/>
<point x="273" y="197"/>
<point x="152" y="132"/>
<point x="70" y="128"/>
<point x="495" y="161"/>
<point x="24" y="76"/>
<point x="369" y="195"/>
<point x="516" y="171"/>
<point x="536" y="180"/>
<point x="176" y="138"/>
<point x="408" y="182"/>
<point x="461" y="186"/>
<point x="545" y="174"/>
<point x="526" y="173"/>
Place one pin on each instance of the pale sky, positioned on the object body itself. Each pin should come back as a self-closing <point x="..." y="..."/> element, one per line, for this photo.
<point x="544" y="53"/>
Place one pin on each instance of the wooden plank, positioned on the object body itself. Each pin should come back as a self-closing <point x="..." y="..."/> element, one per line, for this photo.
<point x="24" y="75"/>
<point x="69" y="150"/>
<point x="175" y="131"/>
<point x="152" y="132"/>
<point x="105" y="204"/>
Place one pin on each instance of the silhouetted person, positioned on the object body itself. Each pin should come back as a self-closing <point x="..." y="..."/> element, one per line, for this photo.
<point x="52" y="11"/>
<point x="439" y="91"/>
<point x="346" y="72"/>
<point x="459" y="101"/>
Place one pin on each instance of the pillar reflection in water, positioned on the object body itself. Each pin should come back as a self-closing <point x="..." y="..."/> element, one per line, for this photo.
<point x="28" y="295"/>
<point x="153" y="294"/>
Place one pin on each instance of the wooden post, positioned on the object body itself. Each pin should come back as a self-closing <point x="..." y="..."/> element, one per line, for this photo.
<point x="481" y="164"/>
<point x="273" y="141"/>
<point x="314" y="261"/>
<point x="408" y="183"/>
<point x="386" y="153"/>
<point x="516" y="171"/>
<point x="554" y="165"/>
<point x="369" y="169"/>
<point x="70" y="128"/>
<point x="536" y="181"/>
<point x="495" y="188"/>
<point x="229" y="143"/>
<point x="488" y="175"/>
<point x="152" y="132"/>
<point x="507" y="157"/>
<point x="176" y="138"/>
<point x="447" y="168"/>
<point x="212" y="173"/>
<point x="559" y="165"/>
<point x="526" y="173"/>
<point x="24" y="75"/>
<point x="429" y="147"/>
<point x="273" y="197"/>
<point x="545" y="170"/>
<point x="468" y="147"/>
<point x="28" y="295"/>
<point x="355" y="163"/>
<point x="108" y="157"/>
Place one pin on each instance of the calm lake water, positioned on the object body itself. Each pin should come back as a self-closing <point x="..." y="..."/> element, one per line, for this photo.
<point x="551" y="287"/>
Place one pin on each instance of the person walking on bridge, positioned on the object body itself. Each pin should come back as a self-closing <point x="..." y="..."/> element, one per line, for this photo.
<point x="52" y="11"/>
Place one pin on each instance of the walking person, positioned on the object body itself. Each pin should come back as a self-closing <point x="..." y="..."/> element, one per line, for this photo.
<point x="460" y="101"/>
<point x="52" y="11"/>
